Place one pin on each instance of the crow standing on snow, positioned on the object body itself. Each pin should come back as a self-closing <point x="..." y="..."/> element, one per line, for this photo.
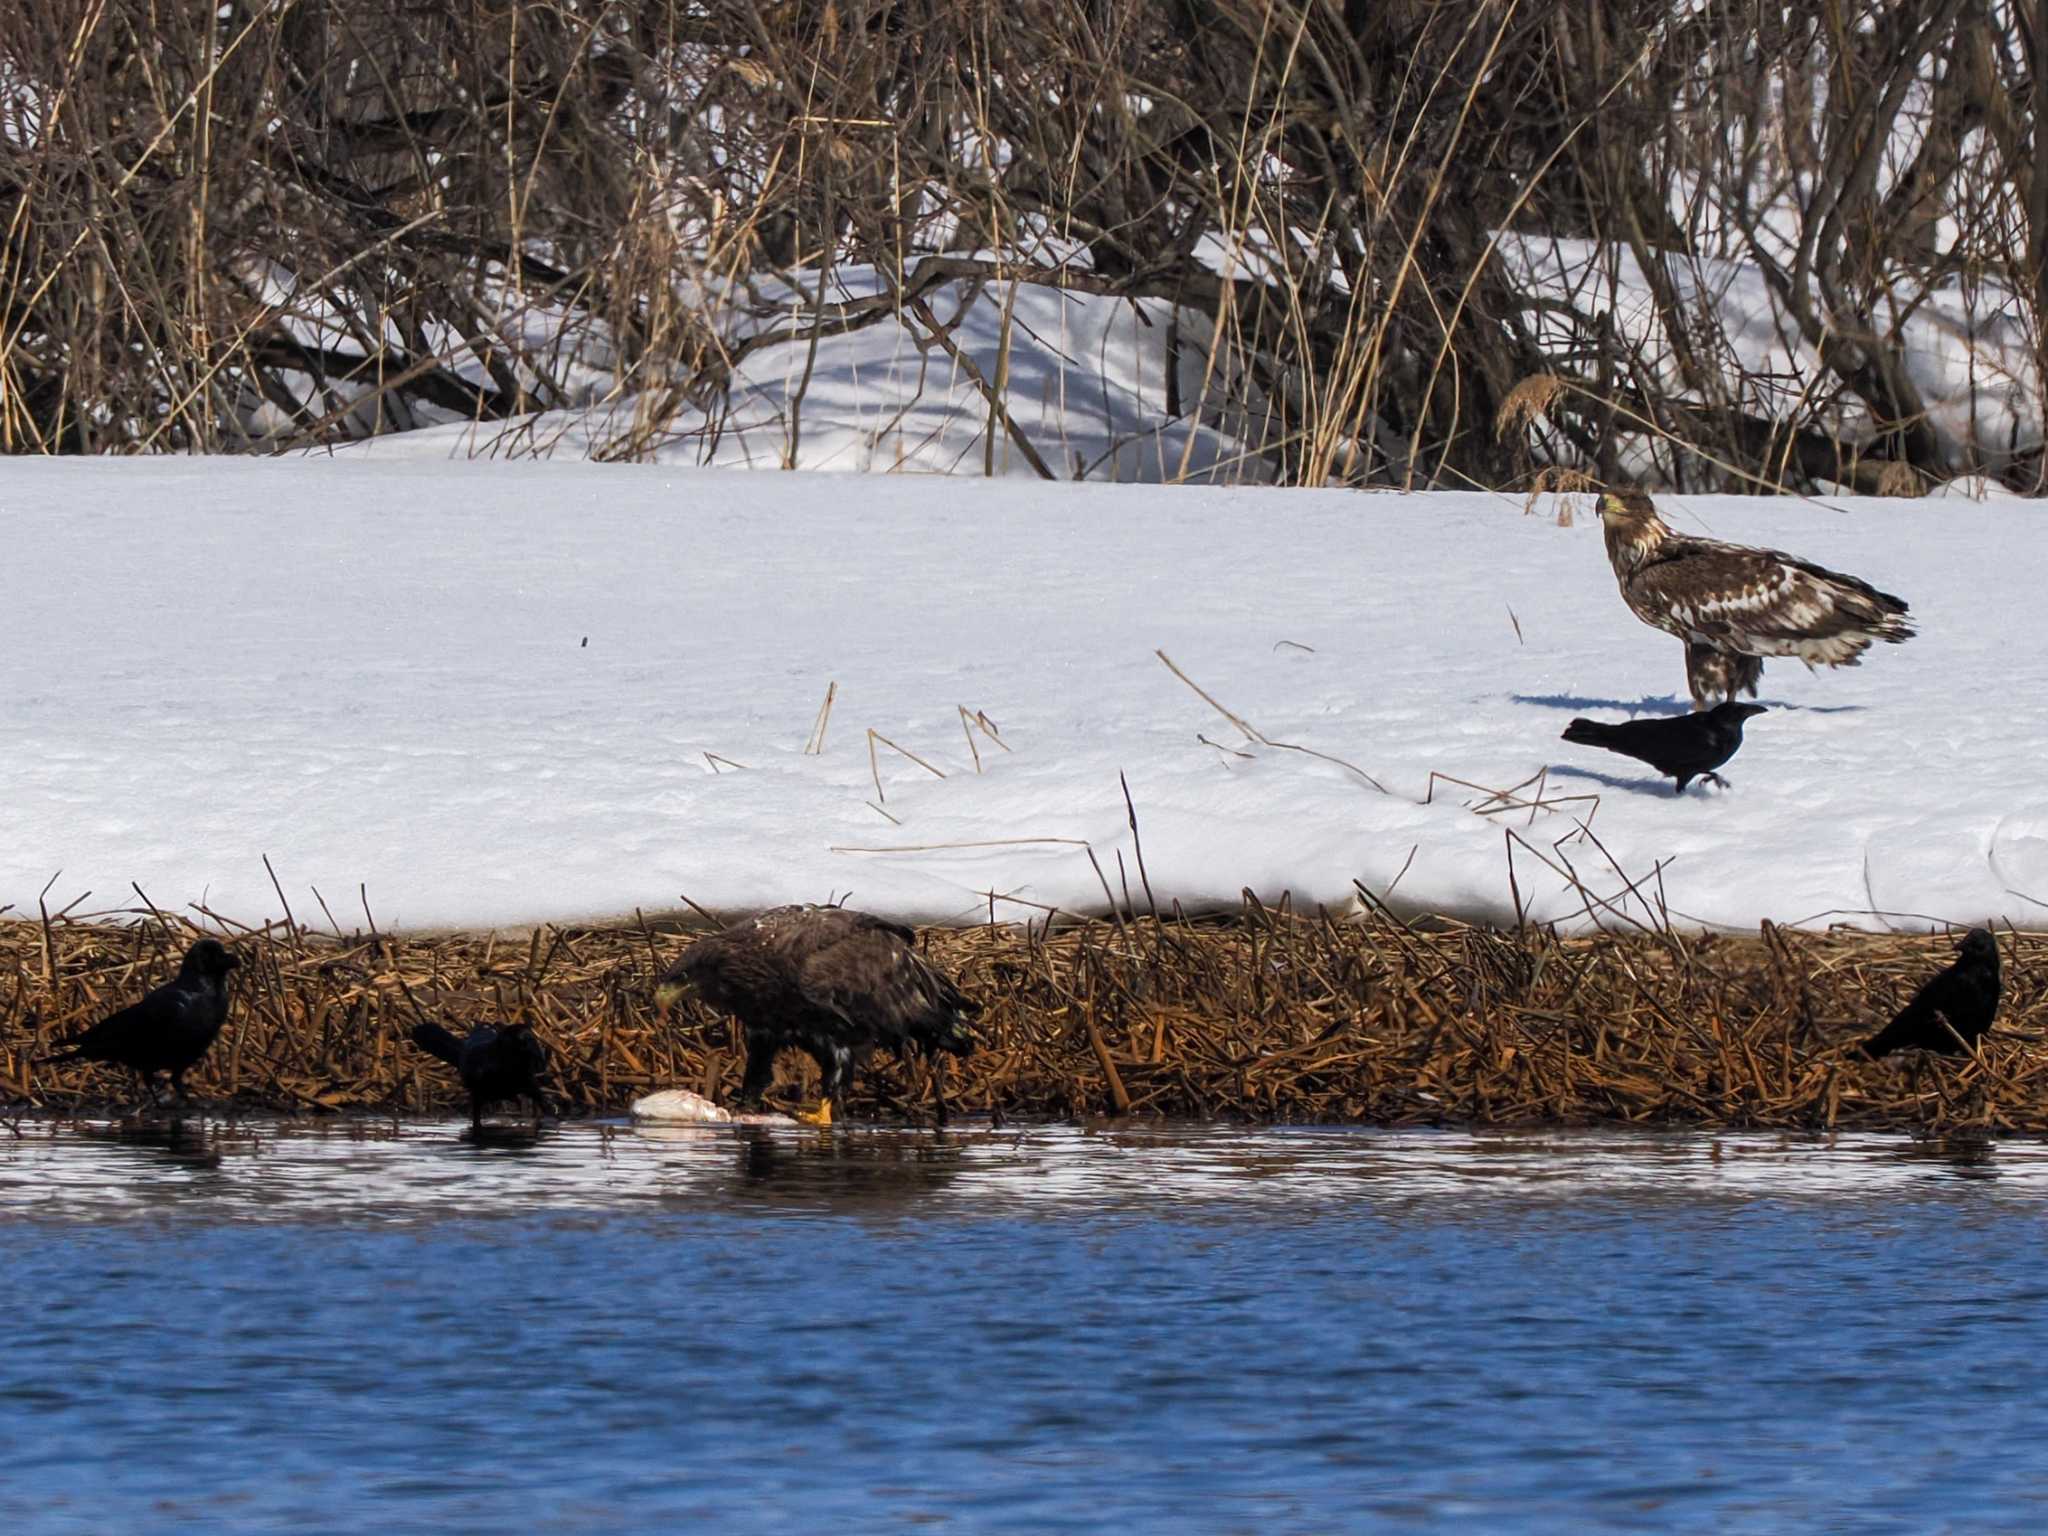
<point x="495" y="1062"/>
<point x="1733" y="605"/>
<point x="1685" y="746"/>
<point x="1965" y="996"/>
<point x="170" y="1029"/>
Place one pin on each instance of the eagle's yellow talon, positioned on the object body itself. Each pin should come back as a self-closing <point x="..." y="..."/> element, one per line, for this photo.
<point x="821" y="1116"/>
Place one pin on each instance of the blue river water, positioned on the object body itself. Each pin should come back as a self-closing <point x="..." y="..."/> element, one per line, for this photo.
<point x="368" y="1325"/>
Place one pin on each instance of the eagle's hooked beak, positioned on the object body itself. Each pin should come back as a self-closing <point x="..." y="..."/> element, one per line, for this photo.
<point x="666" y="996"/>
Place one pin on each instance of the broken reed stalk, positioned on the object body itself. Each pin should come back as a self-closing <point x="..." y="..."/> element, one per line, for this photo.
<point x="1274" y="1014"/>
<point x="814" y="744"/>
<point x="1253" y="733"/>
<point x="979" y="721"/>
<point x="875" y="766"/>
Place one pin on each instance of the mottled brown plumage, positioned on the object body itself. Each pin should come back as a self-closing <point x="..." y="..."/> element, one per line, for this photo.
<point x="1733" y="605"/>
<point x="830" y="981"/>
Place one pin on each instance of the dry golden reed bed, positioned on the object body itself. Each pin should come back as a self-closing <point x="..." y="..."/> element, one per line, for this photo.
<point x="1270" y="1015"/>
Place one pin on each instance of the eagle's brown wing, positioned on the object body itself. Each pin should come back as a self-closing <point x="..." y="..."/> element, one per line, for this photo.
<point x="1762" y="602"/>
<point x="802" y="928"/>
<point x="863" y="974"/>
<point x="865" y="971"/>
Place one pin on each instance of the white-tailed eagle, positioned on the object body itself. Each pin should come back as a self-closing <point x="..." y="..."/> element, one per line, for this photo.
<point x="1733" y="605"/>
<point x="831" y="982"/>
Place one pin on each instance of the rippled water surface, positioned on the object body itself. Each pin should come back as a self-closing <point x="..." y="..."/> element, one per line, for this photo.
<point x="373" y="1326"/>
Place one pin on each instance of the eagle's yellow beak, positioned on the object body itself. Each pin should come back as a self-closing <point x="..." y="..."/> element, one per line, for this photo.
<point x="666" y="995"/>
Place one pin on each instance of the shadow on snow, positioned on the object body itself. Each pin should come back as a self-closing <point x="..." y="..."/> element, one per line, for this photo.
<point x="1669" y="704"/>
<point x="1661" y="788"/>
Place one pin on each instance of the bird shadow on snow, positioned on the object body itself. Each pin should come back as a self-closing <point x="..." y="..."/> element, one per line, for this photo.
<point x="1669" y="704"/>
<point x="1661" y="788"/>
<point x="1648" y="704"/>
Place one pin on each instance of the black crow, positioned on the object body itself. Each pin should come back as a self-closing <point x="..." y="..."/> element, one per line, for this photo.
<point x="832" y="982"/>
<point x="1685" y="746"/>
<point x="496" y="1063"/>
<point x="171" y="1028"/>
<point x="1965" y="996"/>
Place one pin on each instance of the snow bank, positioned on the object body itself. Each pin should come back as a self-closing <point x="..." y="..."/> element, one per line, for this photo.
<point x="1966" y="348"/>
<point x="1083" y="379"/>
<point x="497" y="694"/>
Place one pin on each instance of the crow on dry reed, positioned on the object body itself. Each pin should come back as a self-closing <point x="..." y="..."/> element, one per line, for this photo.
<point x="170" y="1029"/>
<point x="1685" y="746"/>
<point x="1951" y="1009"/>
<point x="831" y="982"/>
<point x="497" y="1063"/>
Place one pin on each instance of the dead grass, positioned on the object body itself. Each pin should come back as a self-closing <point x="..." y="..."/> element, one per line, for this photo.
<point x="1268" y="1015"/>
<point x="278" y="227"/>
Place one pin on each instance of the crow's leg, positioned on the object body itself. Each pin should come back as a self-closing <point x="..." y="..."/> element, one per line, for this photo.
<point x="476" y="1113"/>
<point x="1714" y="778"/>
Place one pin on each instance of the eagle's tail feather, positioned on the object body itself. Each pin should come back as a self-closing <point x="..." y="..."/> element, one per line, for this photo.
<point x="1876" y="615"/>
<point x="947" y="1010"/>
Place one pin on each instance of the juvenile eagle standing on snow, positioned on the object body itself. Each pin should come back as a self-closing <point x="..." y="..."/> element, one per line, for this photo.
<point x="832" y="982"/>
<point x="1733" y="605"/>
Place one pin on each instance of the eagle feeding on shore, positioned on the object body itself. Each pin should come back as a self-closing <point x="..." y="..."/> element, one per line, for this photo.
<point x="1733" y="605"/>
<point x="829" y="981"/>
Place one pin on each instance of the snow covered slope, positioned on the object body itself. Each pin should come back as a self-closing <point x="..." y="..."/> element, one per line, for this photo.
<point x="378" y="673"/>
<point x="1087" y="379"/>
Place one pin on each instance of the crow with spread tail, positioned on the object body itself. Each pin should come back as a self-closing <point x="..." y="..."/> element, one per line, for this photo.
<point x="170" y="1029"/>
<point x="497" y="1063"/>
<point x="1951" y="1009"/>
<point x="829" y="981"/>
<point x="1687" y="747"/>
